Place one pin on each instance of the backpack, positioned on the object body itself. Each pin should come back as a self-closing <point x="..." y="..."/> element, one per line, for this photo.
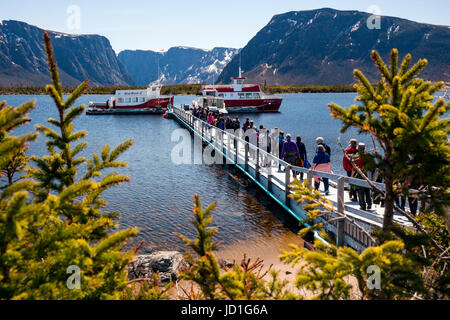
<point x="327" y="149"/>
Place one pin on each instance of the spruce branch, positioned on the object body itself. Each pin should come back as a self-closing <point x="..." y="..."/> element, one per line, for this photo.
<point x="52" y="66"/>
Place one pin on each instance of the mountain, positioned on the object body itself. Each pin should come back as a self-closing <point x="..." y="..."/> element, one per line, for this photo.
<point x="23" y="60"/>
<point x="324" y="46"/>
<point x="178" y="65"/>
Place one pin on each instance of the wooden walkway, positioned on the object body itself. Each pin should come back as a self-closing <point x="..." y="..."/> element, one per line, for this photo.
<point x="275" y="183"/>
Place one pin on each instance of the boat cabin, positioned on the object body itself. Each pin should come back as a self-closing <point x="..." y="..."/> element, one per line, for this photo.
<point x="213" y="103"/>
<point x="236" y="91"/>
<point x="134" y="97"/>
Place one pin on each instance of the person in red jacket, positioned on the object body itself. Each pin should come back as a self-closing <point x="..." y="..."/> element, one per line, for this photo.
<point x="364" y="194"/>
<point x="351" y="151"/>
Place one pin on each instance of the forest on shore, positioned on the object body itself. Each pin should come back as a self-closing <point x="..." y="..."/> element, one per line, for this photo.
<point x="181" y="89"/>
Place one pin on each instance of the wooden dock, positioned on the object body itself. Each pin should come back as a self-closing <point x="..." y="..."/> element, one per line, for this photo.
<point x="252" y="161"/>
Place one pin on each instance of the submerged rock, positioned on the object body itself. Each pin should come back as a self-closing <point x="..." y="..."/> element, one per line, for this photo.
<point x="169" y="264"/>
<point x="226" y="263"/>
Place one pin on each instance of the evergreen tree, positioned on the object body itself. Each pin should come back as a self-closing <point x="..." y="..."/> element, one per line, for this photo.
<point x="244" y="281"/>
<point x="328" y="272"/>
<point x="54" y="220"/>
<point x="399" y="113"/>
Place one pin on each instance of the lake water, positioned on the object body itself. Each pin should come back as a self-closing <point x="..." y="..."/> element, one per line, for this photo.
<point x="158" y="200"/>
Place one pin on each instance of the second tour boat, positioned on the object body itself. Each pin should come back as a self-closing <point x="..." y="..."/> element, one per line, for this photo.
<point x="239" y="97"/>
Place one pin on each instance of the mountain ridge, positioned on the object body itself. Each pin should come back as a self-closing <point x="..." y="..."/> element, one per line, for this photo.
<point x="324" y="46"/>
<point x="177" y="65"/>
<point x="23" y="59"/>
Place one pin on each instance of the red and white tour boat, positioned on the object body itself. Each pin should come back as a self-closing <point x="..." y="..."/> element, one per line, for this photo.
<point x="147" y="101"/>
<point x="242" y="98"/>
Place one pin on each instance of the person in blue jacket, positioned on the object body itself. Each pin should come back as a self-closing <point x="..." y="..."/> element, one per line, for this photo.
<point x="322" y="163"/>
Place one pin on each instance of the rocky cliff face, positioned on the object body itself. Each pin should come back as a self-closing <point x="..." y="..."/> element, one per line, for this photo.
<point x="79" y="57"/>
<point x="324" y="46"/>
<point x="178" y="65"/>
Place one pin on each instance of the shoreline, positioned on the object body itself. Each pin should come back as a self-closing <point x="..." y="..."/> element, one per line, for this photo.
<point x="193" y="89"/>
<point x="268" y="251"/>
<point x="188" y="89"/>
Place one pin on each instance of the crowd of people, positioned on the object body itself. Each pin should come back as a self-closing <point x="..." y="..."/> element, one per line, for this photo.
<point x="294" y="153"/>
<point x="215" y="118"/>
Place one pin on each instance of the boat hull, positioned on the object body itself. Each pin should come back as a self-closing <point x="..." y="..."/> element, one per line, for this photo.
<point x="153" y="106"/>
<point x="254" y="105"/>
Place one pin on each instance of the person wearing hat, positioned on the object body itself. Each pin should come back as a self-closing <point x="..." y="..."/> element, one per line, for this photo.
<point x="364" y="194"/>
<point x="320" y="142"/>
<point x="290" y="152"/>
<point x="303" y="156"/>
<point x="349" y="153"/>
<point x="236" y="124"/>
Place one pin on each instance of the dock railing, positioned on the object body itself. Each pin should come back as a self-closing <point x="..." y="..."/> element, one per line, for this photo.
<point x="234" y="149"/>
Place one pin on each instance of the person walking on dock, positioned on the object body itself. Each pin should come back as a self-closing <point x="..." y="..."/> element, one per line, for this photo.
<point x="408" y="183"/>
<point x="236" y="124"/>
<point x="289" y="152"/>
<point x="210" y="119"/>
<point x="246" y="125"/>
<point x="364" y="194"/>
<point x="228" y="123"/>
<point x="320" y="142"/>
<point x="267" y="161"/>
<point x="252" y="139"/>
<point x="221" y="124"/>
<point x="349" y="153"/>
<point x="322" y="163"/>
<point x="252" y="125"/>
<point x="303" y="156"/>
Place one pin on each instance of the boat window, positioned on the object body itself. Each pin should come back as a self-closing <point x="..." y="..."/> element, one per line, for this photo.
<point x="248" y="95"/>
<point x="142" y="99"/>
<point x="221" y="95"/>
<point x="256" y="95"/>
<point x="241" y="95"/>
<point x="120" y="100"/>
<point x="136" y="99"/>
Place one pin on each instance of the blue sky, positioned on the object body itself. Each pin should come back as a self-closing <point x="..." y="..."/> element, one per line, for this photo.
<point x="158" y="24"/>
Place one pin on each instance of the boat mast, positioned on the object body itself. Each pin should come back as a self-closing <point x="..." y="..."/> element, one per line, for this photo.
<point x="240" y="70"/>
<point x="159" y="76"/>
<point x="158" y="67"/>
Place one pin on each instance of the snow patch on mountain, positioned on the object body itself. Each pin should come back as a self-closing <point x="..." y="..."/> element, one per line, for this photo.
<point x="185" y="66"/>
<point x="356" y="26"/>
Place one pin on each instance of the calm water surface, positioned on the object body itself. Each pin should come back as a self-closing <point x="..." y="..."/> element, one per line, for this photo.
<point x="158" y="200"/>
